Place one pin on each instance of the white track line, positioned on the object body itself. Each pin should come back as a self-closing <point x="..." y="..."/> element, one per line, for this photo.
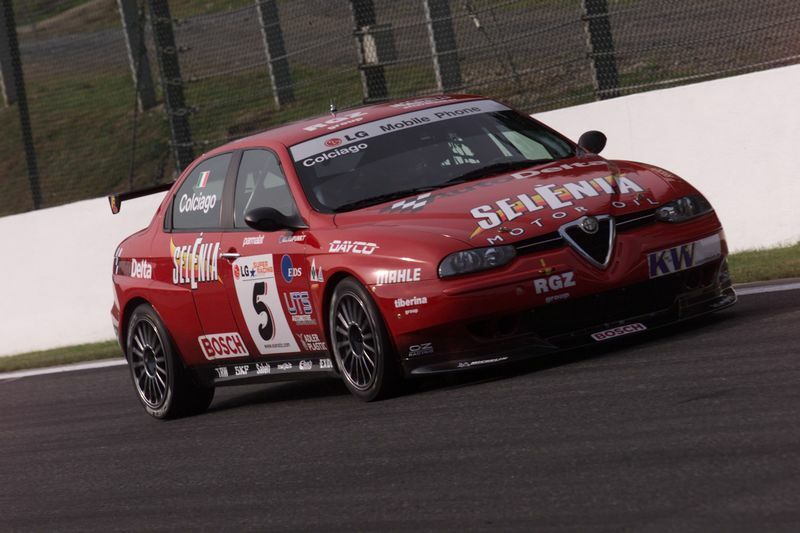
<point x="62" y="368"/>
<point x="744" y="291"/>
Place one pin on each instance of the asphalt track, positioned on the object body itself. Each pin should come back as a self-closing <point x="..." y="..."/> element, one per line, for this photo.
<point x="694" y="428"/>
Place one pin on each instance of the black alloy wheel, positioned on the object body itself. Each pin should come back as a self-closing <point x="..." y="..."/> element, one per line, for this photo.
<point x="165" y="388"/>
<point x="360" y="342"/>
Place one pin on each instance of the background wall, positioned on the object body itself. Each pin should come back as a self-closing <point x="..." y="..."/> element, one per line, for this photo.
<point x="734" y="138"/>
<point x="56" y="282"/>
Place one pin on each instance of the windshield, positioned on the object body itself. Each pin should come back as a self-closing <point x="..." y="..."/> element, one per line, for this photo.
<point x="420" y="151"/>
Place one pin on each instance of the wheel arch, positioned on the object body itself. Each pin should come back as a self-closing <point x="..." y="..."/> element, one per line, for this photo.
<point x="127" y="311"/>
<point x="327" y="297"/>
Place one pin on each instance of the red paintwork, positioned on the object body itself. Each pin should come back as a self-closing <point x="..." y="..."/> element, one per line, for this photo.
<point x="406" y="240"/>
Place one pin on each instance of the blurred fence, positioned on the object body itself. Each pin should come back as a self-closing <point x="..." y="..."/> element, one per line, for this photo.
<point x="120" y="94"/>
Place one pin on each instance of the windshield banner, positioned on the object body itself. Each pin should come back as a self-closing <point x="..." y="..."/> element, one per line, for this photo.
<point x="333" y="144"/>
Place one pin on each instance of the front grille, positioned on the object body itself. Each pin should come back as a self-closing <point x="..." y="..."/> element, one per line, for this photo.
<point x="553" y="240"/>
<point x="635" y="220"/>
<point x="540" y="243"/>
<point x="596" y="246"/>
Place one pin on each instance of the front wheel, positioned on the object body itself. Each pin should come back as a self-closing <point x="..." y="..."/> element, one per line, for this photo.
<point x="164" y="387"/>
<point x="361" y="345"/>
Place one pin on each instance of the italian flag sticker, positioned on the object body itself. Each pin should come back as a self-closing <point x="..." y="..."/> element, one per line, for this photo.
<point x="202" y="181"/>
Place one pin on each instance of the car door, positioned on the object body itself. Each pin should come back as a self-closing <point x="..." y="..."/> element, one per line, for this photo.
<point x="270" y="288"/>
<point x="196" y="248"/>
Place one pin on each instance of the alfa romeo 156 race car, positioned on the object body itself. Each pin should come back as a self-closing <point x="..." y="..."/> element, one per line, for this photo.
<point x="419" y="236"/>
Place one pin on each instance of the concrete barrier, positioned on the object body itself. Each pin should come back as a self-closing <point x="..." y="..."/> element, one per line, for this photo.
<point x="56" y="282"/>
<point x="732" y="138"/>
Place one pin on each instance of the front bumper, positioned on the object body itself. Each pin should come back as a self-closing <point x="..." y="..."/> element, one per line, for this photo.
<point x="572" y="323"/>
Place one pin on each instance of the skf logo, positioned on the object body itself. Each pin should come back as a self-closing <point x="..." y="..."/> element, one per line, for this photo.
<point x="556" y="282"/>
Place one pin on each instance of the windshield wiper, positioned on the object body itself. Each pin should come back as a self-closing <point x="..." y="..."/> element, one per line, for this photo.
<point x="496" y="168"/>
<point x="381" y="198"/>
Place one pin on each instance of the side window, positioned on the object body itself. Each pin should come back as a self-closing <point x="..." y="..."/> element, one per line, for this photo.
<point x="198" y="202"/>
<point x="261" y="183"/>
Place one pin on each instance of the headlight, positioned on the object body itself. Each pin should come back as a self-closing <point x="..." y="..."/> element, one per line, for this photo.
<point x="684" y="209"/>
<point x="476" y="260"/>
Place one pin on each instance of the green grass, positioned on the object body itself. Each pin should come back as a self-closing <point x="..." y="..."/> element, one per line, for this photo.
<point x="755" y="265"/>
<point x="82" y="126"/>
<point x="61" y="356"/>
<point x="82" y="134"/>
<point x="762" y="265"/>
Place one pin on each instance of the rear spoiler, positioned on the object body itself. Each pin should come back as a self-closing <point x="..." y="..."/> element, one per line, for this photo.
<point x="115" y="200"/>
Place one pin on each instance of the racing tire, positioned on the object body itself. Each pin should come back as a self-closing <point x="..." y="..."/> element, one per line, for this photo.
<point x="360" y="343"/>
<point x="164" y="387"/>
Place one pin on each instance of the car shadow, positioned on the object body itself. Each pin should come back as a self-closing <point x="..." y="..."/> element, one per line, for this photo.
<point x="290" y="391"/>
<point x="285" y="391"/>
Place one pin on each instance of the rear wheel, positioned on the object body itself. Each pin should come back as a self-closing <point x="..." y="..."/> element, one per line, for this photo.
<point x="164" y="387"/>
<point x="360" y="343"/>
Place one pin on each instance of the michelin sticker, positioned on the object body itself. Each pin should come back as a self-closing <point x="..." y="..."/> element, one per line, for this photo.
<point x="257" y="292"/>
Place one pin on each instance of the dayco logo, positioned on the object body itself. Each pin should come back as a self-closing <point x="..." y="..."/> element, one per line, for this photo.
<point x="556" y="282"/>
<point x="141" y="269"/>
<point x="550" y="196"/>
<point x="337" y="122"/>
<point x="618" y="332"/>
<point x="325" y="156"/>
<point x="399" y="276"/>
<point x="222" y="345"/>
<point x="197" y="202"/>
<point x="357" y="247"/>
<point x="194" y="263"/>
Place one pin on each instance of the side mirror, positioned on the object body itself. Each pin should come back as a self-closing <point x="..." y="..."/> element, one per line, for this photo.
<point x="270" y="219"/>
<point x="592" y="141"/>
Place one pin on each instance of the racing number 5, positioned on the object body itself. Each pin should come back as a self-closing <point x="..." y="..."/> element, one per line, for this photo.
<point x="267" y="331"/>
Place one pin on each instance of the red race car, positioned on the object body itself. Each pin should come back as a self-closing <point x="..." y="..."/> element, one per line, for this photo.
<point x="419" y="236"/>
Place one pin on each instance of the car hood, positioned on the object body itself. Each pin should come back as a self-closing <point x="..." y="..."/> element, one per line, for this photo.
<point x="524" y="204"/>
